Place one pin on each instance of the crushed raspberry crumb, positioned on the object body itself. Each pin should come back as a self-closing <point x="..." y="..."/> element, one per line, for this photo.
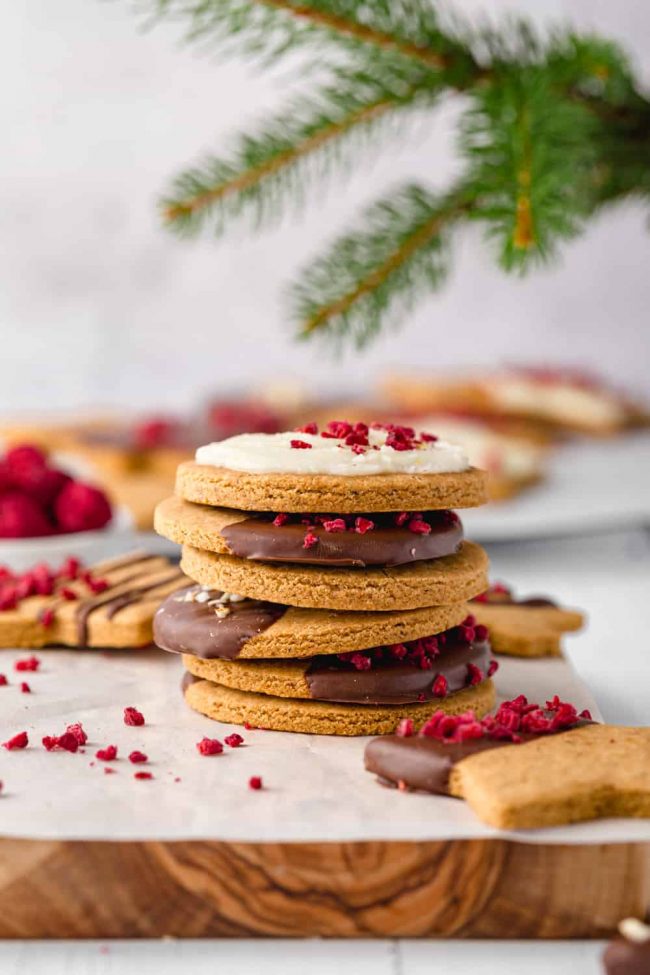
<point x="143" y="775"/>
<point x="234" y="740"/>
<point x="133" y="717"/>
<point x="108" y="770"/>
<point x="138" y="757"/>
<point x="67" y="742"/>
<point x="310" y="540"/>
<point x="29" y="663"/>
<point x="301" y="445"/>
<point x="255" y="782"/>
<point x="363" y="525"/>
<point x="428" y="437"/>
<point x="493" y="666"/>
<point x="440" y="686"/>
<point x="69" y="594"/>
<point x="481" y="633"/>
<point x="47" y="617"/>
<point x="308" y="428"/>
<point x="419" y="527"/>
<point x="21" y="740"/>
<point x="108" y="754"/>
<point x="280" y="520"/>
<point x="77" y="730"/>
<point x="474" y="675"/>
<point x="585" y="714"/>
<point x="97" y="586"/>
<point x="209" y="746"/>
<point x="25" y="688"/>
<point x="335" y="525"/>
<point x="401" y="518"/>
<point x="405" y="728"/>
<point x="357" y="449"/>
<point x="3" y="680"/>
<point x="69" y="569"/>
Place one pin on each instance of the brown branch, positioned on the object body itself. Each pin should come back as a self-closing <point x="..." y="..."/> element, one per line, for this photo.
<point x="376" y="278"/>
<point x="523" y="235"/>
<point x="250" y="177"/>
<point x="361" y="32"/>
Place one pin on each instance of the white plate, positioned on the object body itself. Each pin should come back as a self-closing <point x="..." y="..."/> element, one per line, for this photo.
<point x="21" y="554"/>
<point x="591" y="487"/>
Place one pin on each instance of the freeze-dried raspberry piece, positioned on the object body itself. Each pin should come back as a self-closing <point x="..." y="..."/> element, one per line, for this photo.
<point x="138" y="757"/>
<point x="77" y="730"/>
<point x="133" y="717"/>
<point x="493" y="666"/>
<point x="335" y="525"/>
<point x="234" y="740"/>
<point x="255" y="782"/>
<point x="310" y="540"/>
<point x="108" y="754"/>
<point x="25" y="688"/>
<point x="209" y="746"/>
<point x="363" y="525"/>
<point x="29" y="664"/>
<point x="3" y="680"/>
<point x="440" y="686"/>
<point x="280" y="520"/>
<point x="419" y="526"/>
<point x="66" y="742"/>
<point x="46" y="618"/>
<point x="143" y="775"/>
<point x="474" y="675"/>
<point x="405" y="728"/>
<point x="300" y="445"/>
<point x="21" y="740"/>
<point x="308" y="428"/>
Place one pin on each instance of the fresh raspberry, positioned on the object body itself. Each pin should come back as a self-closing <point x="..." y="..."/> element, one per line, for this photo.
<point x="234" y="740"/>
<point x="77" y="730"/>
<point x="301" y="445"/>
<point x="25" y="688"/>
<point x="133" y="717"/>
<point x="81" y="507"/>
<point x="363" y="525"/>
<point x="108" y="754"/>
<point x="22" y="517"/>
<point x="28" y="664"/>
<point x="255" y="782"/>
<point x="138" y="757"/>
<point x="25" y="456"/>
<point x="20" y="740"/>
<point x="209" y="746"/>
<point x="405" y="728"/>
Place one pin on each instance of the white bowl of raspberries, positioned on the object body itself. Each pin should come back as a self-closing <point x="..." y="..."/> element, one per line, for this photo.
<point x="47" y="513"/>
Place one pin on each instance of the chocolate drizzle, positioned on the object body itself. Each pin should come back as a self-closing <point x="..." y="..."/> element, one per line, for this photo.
<point x="182" y="626"/>
<point x="385" y="544"/>
<point x="391" y="681"/>
<point x="116" y="601"/>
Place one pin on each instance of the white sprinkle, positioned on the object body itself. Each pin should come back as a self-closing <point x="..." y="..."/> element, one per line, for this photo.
<point x="634" y="930"/>
<point x="202" y="597"/>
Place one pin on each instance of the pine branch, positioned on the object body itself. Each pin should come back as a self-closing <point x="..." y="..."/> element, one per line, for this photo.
<point x="405" y="31"/>
<point x="312" y="137"/>
<point x="531" y="155"/>
<point x="378" y="271"/>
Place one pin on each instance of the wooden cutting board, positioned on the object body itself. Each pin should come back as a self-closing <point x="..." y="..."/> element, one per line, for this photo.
<point x="463" y="889"/>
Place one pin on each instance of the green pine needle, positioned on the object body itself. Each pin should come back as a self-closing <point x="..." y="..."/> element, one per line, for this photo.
<point x="377" y="272"/>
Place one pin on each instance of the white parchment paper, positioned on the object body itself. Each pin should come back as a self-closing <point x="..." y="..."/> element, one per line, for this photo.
<point x="315" y="787"/>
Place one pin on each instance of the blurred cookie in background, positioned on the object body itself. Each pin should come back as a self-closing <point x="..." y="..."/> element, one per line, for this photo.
<point x="544" y="400"/>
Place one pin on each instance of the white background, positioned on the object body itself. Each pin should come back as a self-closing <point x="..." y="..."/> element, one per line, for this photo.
<point x="98" y="303"/>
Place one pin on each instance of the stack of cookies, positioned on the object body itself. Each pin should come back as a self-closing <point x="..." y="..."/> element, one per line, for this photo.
<point x="332" y="580"/>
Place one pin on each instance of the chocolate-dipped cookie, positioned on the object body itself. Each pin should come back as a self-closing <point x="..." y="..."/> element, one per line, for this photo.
<point x="524" y="627"/>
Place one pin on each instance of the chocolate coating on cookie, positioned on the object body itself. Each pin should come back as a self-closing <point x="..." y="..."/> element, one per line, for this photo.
<point x="394" y="682"/>
<point x="385" y="544"/>
<point x="420" y="763"/>
<point x="183" y="625"/>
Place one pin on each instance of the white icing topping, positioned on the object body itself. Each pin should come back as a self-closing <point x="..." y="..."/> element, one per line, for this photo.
<point x="264" y="453"/>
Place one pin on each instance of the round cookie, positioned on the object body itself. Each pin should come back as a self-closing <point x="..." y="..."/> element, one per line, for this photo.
<point x="327" y="678"/>
<point x="296" y="632"/>
<point x="386" y="540"/>
<point x="432" y="583"/>
<point x="319" y="718"/>
<point x="323" y="493"/>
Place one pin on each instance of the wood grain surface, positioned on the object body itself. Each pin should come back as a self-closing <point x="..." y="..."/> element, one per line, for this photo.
<point x="464" y="889"/>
